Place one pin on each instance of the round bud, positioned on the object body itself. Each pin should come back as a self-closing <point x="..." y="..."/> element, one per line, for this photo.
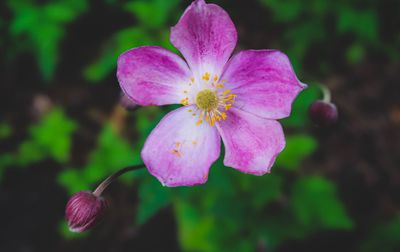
<point x="84" y="210"/>
<point x="323" y="113"/>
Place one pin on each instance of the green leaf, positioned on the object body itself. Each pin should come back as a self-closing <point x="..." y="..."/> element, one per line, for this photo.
<point x="119" y="43"/>
<point x="152" y="197"/>
<point x="30" y="152"/>
<point x="383" y="237"/>
<point x="260" y="190"/>
<point x="355" y="53"/>
<point x="315" y="204"/>
<point x="297" y="148"/>
<point x="43" y="27"/>
<point x="152" y="13"/>
<point x="53" y="134"/>
<point x="195" y="230"/>
<point x="301" y="38"/>
<point x="364" y="24"/>
<point x="50" y="138"/>
<point x="111" y="154"/>
<point x="5" y="130"/>
<point x="284" y="10"/>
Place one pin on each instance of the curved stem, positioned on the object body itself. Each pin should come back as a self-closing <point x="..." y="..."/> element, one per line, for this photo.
<point x="325" y="93"/>
<point x="99" y="190"/>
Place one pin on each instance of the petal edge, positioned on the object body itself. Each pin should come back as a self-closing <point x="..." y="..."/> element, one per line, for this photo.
<point x="152" y="75"/>
<point x="264" y="82"/>
<point x="206" y="37"/>
<point x="251" y="143"/>
<point x="180" y="153"/>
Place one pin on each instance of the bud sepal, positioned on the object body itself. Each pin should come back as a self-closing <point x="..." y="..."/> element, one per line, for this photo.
<point x="84" y="210"/>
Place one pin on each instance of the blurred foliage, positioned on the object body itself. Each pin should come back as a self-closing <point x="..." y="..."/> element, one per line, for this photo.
<point x="313" y="23"/>
<point x="152" y="13"/>
<point x="111" y="154"/>
<point x="40" y="28"/>
<point x="299" y="115"/>
<point x="315" y="204"/>
<point x="5" y="130"/>
<point x="152" y="198"/>
<point x="51" y="138"/>
<point x="232" y="211"/>
<point x="120" y="42"/>
<point x="384" y="237"/>
<point x="292" y="155"/>
<point x="152" y="29"/>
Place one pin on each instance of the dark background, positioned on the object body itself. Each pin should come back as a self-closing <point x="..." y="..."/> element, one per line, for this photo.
<point x="62" y="130"/>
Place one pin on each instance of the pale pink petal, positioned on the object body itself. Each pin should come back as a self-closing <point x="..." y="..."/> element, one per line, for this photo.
<point x="179" y="152"/>
<point x="151" y="75"/>
<point x="251" y="143"/>
<point x="264" y="82"/>
<point x="206" y="36"/>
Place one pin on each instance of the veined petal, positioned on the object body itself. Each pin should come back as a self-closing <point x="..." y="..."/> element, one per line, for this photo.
<point x="264" y="82"/>
<point x="206" y="37"/>
<point x="251" y="143"/>
<point x="179" y="152"/>
<point x="151" y="75"/>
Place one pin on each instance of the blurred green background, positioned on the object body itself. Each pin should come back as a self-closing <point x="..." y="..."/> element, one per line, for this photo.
<point x="62" y="130"/>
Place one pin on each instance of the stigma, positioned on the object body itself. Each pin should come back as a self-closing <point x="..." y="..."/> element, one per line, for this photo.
<point x="211" y="98"/>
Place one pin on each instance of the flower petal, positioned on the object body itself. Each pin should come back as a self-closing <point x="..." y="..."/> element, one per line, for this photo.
<point x="264" y="82"/>
<point x="179" y="152"/>
<point x="206" y="36"/>
<point x="151" y="75"/>
<point x="251" y="143"/>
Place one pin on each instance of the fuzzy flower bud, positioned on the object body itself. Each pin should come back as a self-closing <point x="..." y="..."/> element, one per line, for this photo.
<point x="84" y="210"/>
<point x="323" y="113"/>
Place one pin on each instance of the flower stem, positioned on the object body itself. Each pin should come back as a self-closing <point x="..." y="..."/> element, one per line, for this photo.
<point x="99" y="190"/>
<point x="326" y="94"/>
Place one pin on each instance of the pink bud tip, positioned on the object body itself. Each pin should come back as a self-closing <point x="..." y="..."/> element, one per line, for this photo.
<point x="323" y="113"/>
<point x="84" y="210"/>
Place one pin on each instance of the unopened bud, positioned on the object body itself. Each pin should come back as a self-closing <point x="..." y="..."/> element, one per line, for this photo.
<point x="323" y="113"/>
<point x="84" y="210"/>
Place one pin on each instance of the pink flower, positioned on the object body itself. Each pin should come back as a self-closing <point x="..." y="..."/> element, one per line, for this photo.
<point x="238" y="98"/>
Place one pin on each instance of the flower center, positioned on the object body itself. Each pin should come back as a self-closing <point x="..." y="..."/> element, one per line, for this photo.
<point x="212" y="101"/>
<point x="207" y="100"/>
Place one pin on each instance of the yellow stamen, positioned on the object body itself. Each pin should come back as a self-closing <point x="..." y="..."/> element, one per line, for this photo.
<point x="206" y="76"/>
<point x="185" y="101"/>
<point x="227" y="91"/>
<point x="211" y="102"/>
<point x="224" y="116"/>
